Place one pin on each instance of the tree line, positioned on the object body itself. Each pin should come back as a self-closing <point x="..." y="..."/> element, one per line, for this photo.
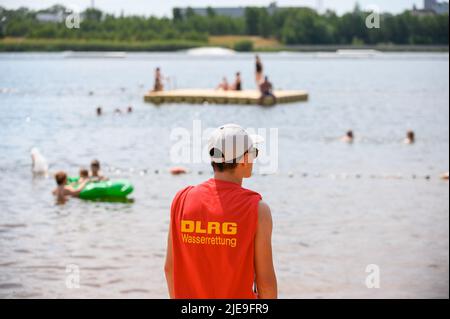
<point x="293" y="26"/>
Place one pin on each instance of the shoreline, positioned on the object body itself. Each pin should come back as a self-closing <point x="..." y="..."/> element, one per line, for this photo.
<point x="61" y="45"/>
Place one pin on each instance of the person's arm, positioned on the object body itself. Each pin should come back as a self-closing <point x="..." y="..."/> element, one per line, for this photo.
<point x="75" y="192"/>
<point x="266" y="281"/>
<point x="168" y="267"/>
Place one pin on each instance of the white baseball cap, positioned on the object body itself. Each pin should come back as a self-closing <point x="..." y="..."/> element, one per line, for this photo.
<point x="230" y="142"/>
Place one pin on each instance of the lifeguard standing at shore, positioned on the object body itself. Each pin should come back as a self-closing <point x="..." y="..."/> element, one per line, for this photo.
<point x="219" y="242"/>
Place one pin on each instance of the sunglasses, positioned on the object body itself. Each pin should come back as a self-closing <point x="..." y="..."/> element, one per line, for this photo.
<point x="253" y="153"/>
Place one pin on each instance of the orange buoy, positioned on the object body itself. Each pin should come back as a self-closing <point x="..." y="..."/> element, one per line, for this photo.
<point x="178" y="170"/>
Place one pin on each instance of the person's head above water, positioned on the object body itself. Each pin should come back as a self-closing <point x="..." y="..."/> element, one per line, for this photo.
<point x="95" y="167"/>
<point x="61" y="178"/>
<point x="233" y="151"/>
<point x="350" y="134"/>
<point x="84" y="173"/>
<point x="411" y="136"/>
<point x="99" y="110"/>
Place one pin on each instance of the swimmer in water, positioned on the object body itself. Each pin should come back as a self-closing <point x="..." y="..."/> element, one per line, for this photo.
<point x="410" y="137"/>
<point x="95" y="172"/>
<point x="349" y="137"/>
<point x="130" y="109"/>
<point x="99" y="111"/>
<point x="63" y="191"/>
<point x="84" y="175"/>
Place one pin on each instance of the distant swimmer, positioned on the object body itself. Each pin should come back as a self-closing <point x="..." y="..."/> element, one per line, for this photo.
<point x="349" y="137"/>
<point x="237" y="85"/>
<point x="224" y="85"/>
<point x="95" y="172"/>
<point x="99" y="111"/>
<point x="266" y="89"/>
<point x="158" y="86"/>
<point x="63" y="191"/>
<point x="130" y="109"/>
<point x="117" y="111"/>
<point x="445" y="176"/>
<point x="410" y="137"/>
<point x="259" y="71"/>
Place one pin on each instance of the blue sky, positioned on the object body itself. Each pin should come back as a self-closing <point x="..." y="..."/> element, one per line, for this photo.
<point x="164" y="7"/>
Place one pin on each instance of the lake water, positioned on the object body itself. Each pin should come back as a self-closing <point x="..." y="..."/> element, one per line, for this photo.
<point x="337" y="208"/>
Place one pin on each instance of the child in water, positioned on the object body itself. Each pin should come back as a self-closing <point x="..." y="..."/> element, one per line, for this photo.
<point x="63" y="191"/>
<point x="84" y="175"/>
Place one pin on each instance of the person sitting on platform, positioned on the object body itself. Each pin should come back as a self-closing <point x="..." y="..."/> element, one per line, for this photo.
<point x="266" y="89"/>
<point x="237" y="86"/>
<point x="224" y="85"/>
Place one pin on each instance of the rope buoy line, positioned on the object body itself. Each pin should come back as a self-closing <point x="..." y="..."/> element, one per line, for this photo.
<point x="335" y="176"/>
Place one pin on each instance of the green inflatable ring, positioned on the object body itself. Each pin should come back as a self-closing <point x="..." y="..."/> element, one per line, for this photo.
<point x="104" y="189"/>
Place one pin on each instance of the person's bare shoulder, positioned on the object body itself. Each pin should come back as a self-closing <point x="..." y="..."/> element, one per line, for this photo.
<point x="264" y="214"/>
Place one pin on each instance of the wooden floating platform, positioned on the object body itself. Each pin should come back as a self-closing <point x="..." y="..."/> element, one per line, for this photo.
<point x="222" y="97"/>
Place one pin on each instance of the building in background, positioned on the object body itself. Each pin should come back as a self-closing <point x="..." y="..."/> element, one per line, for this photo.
<point x="50" y="17"/>
<point x="436" y="7"/>
<point x="229" y="12"/>
<point x="236" y="12"/>
<point x="54" y="14"/>
<point x="431" y="7"/>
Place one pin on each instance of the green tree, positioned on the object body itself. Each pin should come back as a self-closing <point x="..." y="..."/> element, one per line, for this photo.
<point x="210" y="12"/>
<point x="92" y="14"/>
<point x="252" y="20"/>
<point x="177" y="15"/>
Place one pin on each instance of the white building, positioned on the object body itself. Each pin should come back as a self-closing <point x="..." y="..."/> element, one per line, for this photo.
<point x="436" y="6"/>
<point x="57" y="17"/>
<point x="234" y="12"/>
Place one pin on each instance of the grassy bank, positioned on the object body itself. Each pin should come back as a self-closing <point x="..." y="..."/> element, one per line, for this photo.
<point x="259" y="45"/>
<point x="55" y="45"/>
